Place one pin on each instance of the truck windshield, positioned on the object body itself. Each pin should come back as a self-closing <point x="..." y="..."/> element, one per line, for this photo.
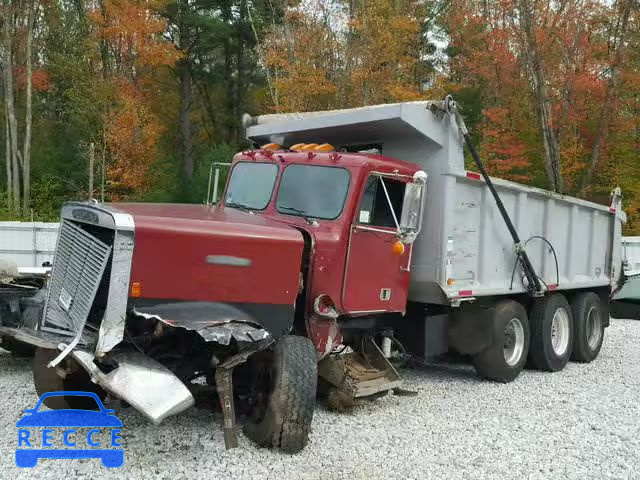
<point x="312" y="191"/>
<point x="251" y="185"/>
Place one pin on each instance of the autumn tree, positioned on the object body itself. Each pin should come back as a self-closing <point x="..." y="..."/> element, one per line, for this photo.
<point x="128" y="34"/>
<point x="349" y="54"/>
<point x="560" y="62"/>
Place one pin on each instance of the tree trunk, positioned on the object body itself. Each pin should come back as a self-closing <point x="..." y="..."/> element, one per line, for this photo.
<point x="543" y="102"/>
<point x="227" y="18"/>
<point x="7" y="70"/>
<point x="26" y="151"/>
<point x="240" y="78"/>
<point x="185" y="119"/>
<point x="8" y="163"/>
<point x="611" y="92"/>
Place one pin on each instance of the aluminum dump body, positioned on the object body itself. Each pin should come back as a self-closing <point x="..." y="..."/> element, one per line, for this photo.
<point x="465" y="249"/>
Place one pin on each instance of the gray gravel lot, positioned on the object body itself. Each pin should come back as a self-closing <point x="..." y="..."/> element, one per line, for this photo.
<point x="581" y="423"/>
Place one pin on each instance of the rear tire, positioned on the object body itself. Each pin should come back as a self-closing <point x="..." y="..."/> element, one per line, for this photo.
<point x="551" y="333"/>
<point x="504" y="359"/>
<point x="588" y="332"/>
<point x="286" y="422"/>
<point x="47" y="380"/>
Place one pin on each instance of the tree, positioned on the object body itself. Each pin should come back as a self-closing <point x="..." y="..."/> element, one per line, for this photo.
<point x="379" y="57"/>
<point x="562" y="61"/>
<point x="129" y="36"/>
<point x="17" y="23"/>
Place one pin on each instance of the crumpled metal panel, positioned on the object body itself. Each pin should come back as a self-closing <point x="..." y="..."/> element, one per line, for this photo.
<point x="213" y="322"/>
<point x="145" y="384"/>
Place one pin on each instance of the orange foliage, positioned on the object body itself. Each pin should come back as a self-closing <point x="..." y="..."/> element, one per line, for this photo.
<point x="133" y="31"/>
<point x="316" y="66"/>
<point x="132" y="133"/>
<point x="504" y="152"/>
<point x="40" y="80"/>
<point x="575" y="53"/>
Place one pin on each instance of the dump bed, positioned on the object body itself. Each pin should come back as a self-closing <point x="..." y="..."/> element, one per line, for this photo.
<point x="465" y="249"/>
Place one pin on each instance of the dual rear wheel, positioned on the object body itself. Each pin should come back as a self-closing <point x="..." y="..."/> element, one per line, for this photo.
<point x="554" y="332"/>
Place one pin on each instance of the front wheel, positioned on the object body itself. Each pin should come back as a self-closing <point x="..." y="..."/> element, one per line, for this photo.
<point x="504" y="359"/>
<point x="285" y="422"/>
<point x="17" y="348"/>
<point x="47" y="379"/>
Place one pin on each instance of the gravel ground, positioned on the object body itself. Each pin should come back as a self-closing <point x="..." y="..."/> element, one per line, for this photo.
<point x="581" y="423"/>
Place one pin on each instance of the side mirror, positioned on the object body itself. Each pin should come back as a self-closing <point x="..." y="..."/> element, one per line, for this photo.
<point x="413" y="207"/>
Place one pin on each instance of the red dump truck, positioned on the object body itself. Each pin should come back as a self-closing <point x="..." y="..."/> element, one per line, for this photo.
<point x="340" y="235"/>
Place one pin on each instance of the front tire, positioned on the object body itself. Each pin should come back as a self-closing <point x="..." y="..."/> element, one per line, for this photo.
<point x="17" y="348"/>
<point x="286" y="421"/>
<point x="47" y="380"/>
<point x="551" y="333"/>
<point x="504" y="359"/>
<point x="588" y="333"/>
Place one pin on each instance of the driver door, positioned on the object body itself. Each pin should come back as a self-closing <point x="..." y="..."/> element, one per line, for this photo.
<point x="376" y="274"/>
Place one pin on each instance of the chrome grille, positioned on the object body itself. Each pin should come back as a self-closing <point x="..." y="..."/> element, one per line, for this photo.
<point x="79" y="264"/>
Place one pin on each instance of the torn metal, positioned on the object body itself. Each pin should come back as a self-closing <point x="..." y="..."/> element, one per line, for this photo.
<point x="218" y="323"/>
<point x="163" y="393"/>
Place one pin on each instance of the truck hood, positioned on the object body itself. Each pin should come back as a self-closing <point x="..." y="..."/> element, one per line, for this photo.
<point x="205" y="213"/>
<point x="197" y="255"/>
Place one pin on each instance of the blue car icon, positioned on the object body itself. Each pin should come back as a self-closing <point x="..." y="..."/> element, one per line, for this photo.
<point x="68" y="418"/>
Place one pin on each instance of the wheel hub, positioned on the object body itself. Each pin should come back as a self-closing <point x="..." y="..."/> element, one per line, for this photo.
<point x="513" y="345"/>
<point x="560" y="332"/>
<point x="594" y="328"/>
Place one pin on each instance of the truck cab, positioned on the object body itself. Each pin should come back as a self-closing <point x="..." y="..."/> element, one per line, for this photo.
<point x="358" y="212"/>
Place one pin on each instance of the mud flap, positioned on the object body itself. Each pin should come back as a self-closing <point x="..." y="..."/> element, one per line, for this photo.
<point x="145" y="384"/>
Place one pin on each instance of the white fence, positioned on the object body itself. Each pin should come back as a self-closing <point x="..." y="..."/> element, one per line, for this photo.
<point x="29" y="244"/>
<point x="631" y="252"/>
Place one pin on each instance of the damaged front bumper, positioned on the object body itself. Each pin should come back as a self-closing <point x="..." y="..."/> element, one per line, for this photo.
<point x="87" y="314"/>
<point x="145" y="384"/>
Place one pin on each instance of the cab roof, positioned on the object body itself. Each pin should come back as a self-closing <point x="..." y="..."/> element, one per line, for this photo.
<point x="330" y="159"/>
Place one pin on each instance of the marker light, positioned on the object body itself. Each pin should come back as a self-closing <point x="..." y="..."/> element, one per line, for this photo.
<point x="325" y="147"/>
<point x="309" y="146"/>
<point x="297" y="147"/>
<point x="271" y="146"/>
<point x="136" y="289"/>
<point x="398" y="248"/>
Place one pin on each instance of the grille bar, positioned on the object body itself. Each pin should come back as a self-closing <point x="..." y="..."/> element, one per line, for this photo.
<point x="79" y="264"/>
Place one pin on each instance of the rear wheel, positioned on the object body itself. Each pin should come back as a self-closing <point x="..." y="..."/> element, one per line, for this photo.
<point x="285" y="421"/>
<point x="551" y="333"/>
<point x="504" y="359"/>
<point x="588" y="334"/>
<point x="75" y="378"/>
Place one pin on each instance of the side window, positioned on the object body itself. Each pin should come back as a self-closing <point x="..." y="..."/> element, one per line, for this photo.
<point x="374" y="208"/>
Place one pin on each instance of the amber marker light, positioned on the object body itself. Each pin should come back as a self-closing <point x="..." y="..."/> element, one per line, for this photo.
<point x="398" y="248"/>
<point x="136" y="289"/>
<point x="325" y="147"/>
<point x="271" y="146"/>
